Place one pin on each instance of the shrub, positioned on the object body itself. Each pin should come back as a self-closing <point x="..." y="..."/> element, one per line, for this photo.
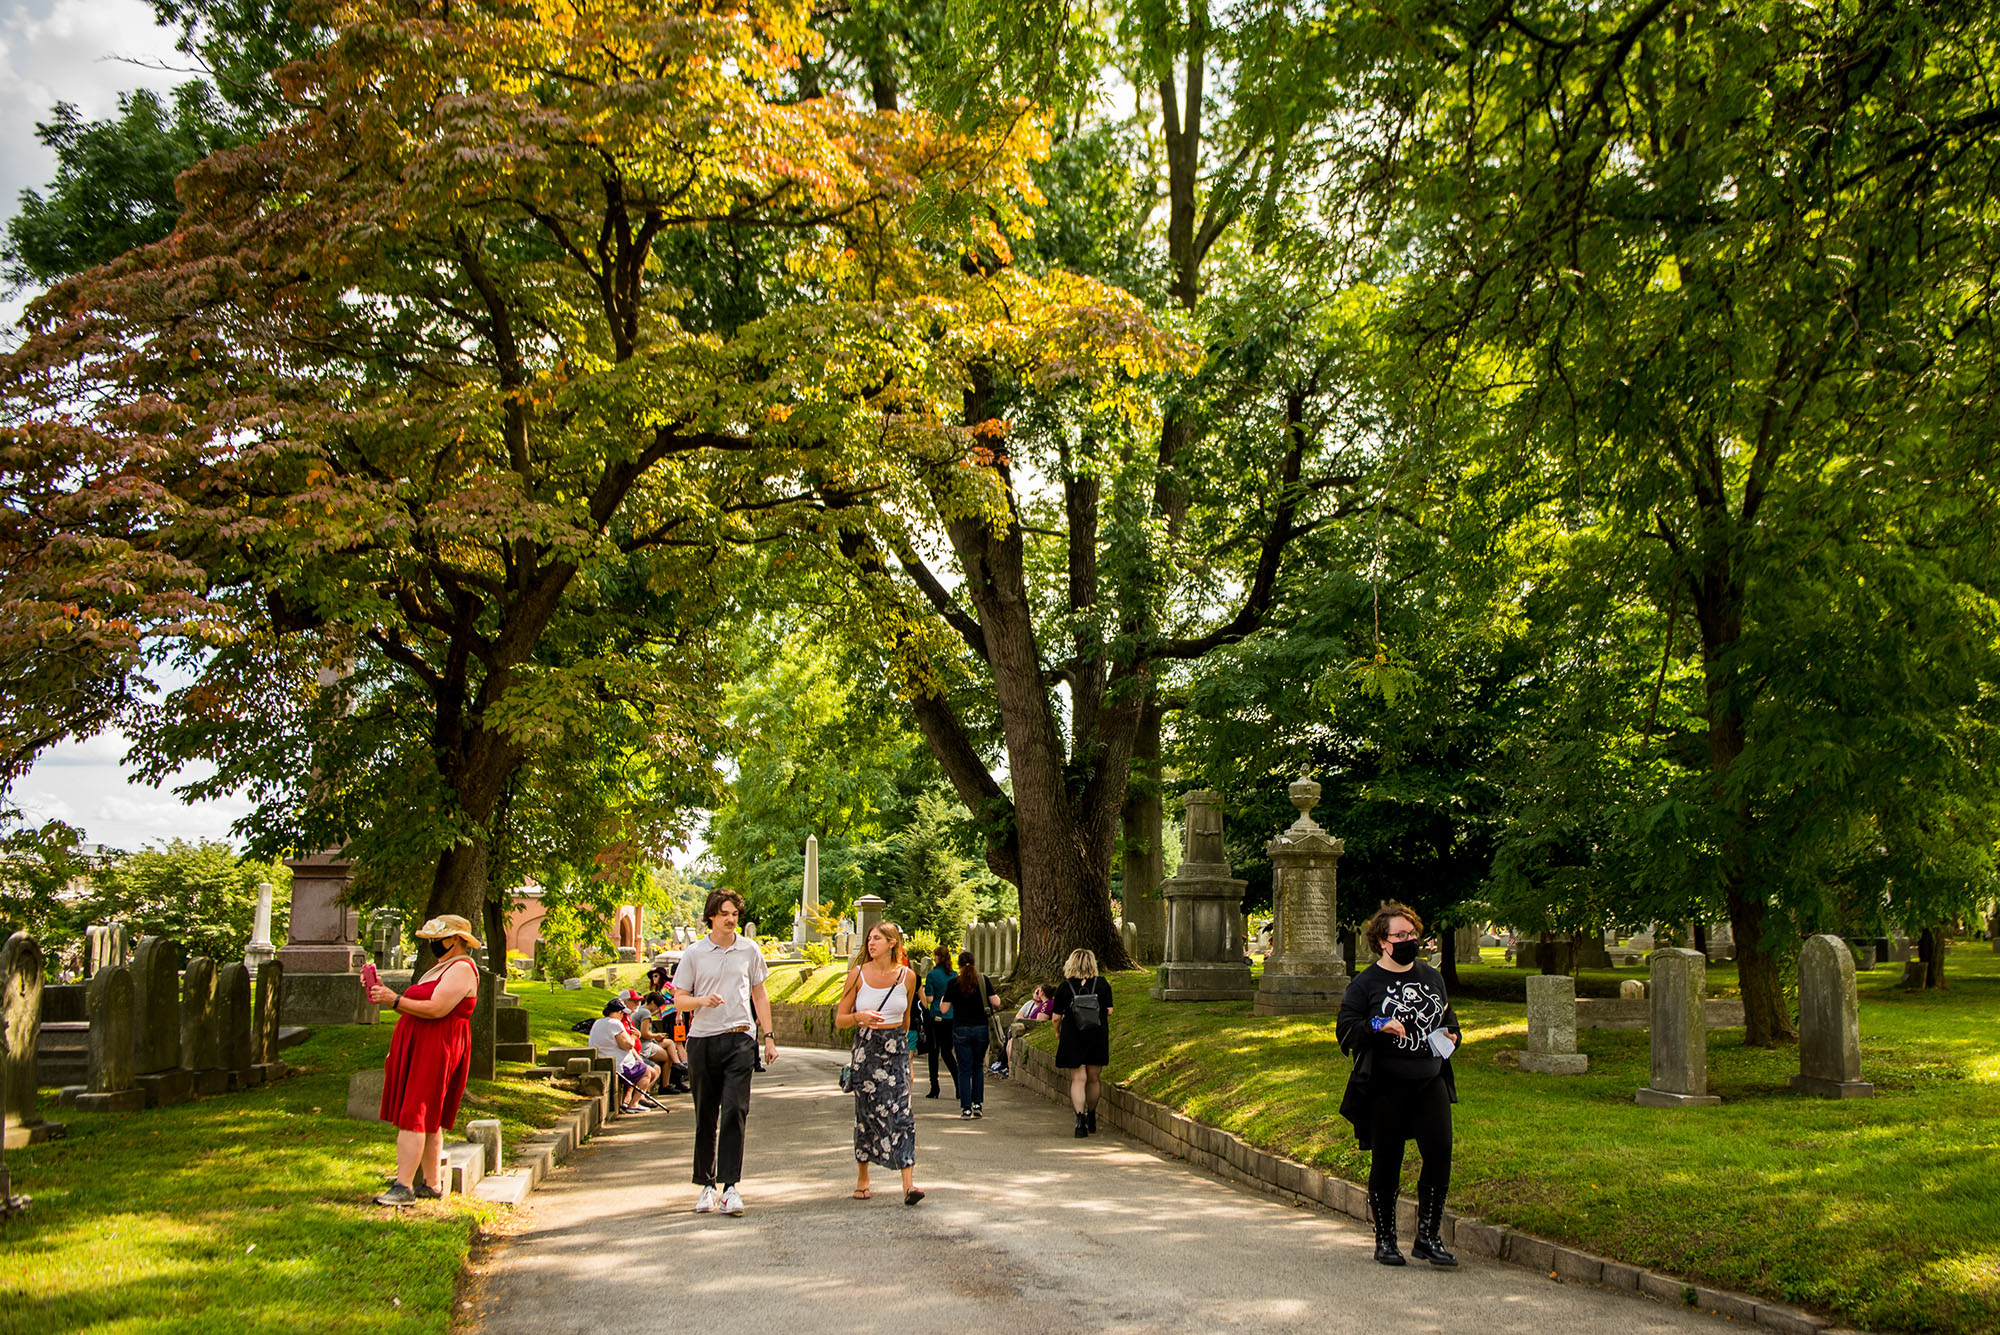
<point x="816" y="954"/>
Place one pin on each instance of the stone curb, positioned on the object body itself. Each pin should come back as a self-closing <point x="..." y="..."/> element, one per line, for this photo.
<point x="1235" y="1160"/>
<point x="535" y="1155"/>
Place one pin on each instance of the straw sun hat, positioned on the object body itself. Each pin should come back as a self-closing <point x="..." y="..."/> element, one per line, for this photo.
<point x="448" y="924"/>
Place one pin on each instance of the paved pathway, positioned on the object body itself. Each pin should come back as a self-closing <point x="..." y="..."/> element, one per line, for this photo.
<point x="1026" y="1229"/>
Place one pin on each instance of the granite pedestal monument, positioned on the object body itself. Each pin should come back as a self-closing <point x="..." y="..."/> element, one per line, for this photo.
<point x="1307" y="974"/>
<point x="322" y="954"/>
<point x="1204" y="929"/>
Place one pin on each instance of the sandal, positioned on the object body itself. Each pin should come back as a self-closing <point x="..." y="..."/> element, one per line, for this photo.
<point x="861" y="1195"/>
<point x="912" y="1197"/>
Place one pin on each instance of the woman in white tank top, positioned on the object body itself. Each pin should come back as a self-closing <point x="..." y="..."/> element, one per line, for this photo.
<point x="877" y="1005"/>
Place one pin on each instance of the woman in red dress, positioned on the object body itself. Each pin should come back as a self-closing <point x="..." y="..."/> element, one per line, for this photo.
<point x="429" y="1056"/>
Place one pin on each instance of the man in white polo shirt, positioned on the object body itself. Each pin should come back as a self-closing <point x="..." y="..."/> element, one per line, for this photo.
<point x="720" y="980"/>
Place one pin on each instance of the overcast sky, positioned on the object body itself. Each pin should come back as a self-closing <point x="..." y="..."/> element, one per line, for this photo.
<point x="84" y="51"/>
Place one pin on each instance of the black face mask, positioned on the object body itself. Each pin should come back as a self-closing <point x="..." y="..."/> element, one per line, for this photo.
<point x="1404" y="952"/>
<point x="439" y="947"/>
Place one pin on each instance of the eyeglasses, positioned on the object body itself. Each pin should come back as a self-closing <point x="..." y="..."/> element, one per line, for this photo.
<point x="1401" y="936"/>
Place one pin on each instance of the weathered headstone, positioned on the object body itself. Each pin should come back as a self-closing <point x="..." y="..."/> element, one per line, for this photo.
<point x="868" y="912"/>
<point x="485" y="1022"/>
<point x="1829" y="1023"/>
<point x="110" y="1086"/>
<point x="1679" y="1032"/>
<point x="201" y="1039"/>
<point x="1465" y="945"/>
<point x="1864" y="952"/>
<point x="20" y="1018"/>
<point x="1204" y="939"/>
<point x="235" y="1025"/>
<point x="1632" y="990"/>
<point x="267" y="1013"/>
<point x="105" y="945"/>
<point x="1307" y="974"/>
<point x="1591" y="954"/>
<point x="1552" y="1027"/>
<point x="156" y="1023"/>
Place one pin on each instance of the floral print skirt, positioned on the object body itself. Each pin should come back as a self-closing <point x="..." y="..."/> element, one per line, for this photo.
<point x="885" y="1128"/>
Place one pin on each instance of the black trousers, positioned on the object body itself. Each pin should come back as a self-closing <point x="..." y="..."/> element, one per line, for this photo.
<point x="937" y="1038"/>
<point x="1400" y="1110"/>
<point x="719" y="1069"/>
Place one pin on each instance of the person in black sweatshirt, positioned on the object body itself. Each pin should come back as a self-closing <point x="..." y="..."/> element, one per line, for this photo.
<point x="1397" y="1023"/>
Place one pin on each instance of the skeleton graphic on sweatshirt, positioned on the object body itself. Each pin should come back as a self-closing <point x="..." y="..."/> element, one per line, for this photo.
<point x="1417" y="999"/>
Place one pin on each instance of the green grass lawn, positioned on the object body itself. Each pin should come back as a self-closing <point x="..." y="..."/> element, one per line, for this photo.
<point x="1883" y="1212"/>
<point x="246" y="1211"/>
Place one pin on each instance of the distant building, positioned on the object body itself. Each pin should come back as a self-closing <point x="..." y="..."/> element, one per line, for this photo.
<point x="525" y="914"/>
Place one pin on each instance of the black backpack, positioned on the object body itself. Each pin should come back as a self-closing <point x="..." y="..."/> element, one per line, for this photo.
<point x="1086" y="1011"/>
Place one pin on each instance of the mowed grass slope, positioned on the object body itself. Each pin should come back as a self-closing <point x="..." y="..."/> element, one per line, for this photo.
<point x="1883" y="1212"/>
<point x="247" y="1211"/>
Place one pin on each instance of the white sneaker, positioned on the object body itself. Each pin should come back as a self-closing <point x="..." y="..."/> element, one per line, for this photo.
<point x="732" y="1201"/>
<point x="706" y="1205"/>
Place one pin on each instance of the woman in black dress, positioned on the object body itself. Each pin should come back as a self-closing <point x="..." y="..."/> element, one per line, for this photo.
<point x="1397" y="1023"/>
<point x="1082" y="1013"/>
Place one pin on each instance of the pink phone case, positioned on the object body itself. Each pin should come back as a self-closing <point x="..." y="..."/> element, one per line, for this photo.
<point x="368" y="975"/>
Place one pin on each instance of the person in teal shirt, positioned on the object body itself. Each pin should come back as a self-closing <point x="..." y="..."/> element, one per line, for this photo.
<point x="938" y="1028"/>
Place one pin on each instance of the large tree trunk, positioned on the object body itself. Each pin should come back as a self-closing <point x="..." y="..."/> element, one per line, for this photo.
<point x="1143" y="822"/>
<point x="1930" y="952"/>
<point x="1766" y="1019"/>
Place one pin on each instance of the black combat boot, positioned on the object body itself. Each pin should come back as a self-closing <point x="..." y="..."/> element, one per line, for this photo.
<point x="1430" y="1217"/>
<point x="1082" y="1126"/>
<point x="1383" y="1207"/>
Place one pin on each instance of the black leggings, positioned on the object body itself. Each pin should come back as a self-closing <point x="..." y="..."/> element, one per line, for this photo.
<point x="937" y="1036"/>
<point x="1400" y="1110"/>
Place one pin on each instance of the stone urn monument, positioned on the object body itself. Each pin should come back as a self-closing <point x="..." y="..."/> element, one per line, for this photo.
<point x="1204" y="910"/>
<point x="1307" y="972"/>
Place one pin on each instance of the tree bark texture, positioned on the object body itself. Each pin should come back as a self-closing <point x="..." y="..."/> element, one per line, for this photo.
<point x="1719" y="610"/>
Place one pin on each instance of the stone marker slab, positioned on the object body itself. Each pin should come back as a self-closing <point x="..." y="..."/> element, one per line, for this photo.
<point x="485" y="1133"/>
<point x="201" y="1037"/>
<point x="20" y="1021"/>
<point x="235" y="1020"/>
<point x="364" y="1094"/>
<point x="484" y="1022"/>
<point x="267" y="1012"/>
<point x="111" y="1005"/>
<point x="1679" y="1032"/>
<point x="1829" y="1023"/>
<point x="156" y="1006"/>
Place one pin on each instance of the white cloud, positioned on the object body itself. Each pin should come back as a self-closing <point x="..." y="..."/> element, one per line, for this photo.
<point x="82" y="51"/>
<point x="86" y="785"/>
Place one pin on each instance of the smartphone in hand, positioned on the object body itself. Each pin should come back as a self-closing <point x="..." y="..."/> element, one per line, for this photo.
<point x="368" y="977"/>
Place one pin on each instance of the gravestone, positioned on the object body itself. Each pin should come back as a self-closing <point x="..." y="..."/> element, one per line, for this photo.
<point x="235" y="1025"/>
<point x="1829" y="1023"/>
<point x="1679" y="1032"/>
<point x="1465" y="945"/>
<point x="1552" y="1027"/>
<point x="109" y="1086"/>
<point x="322" y="954"/>
<point x="868" y="912"/>
<point x="201" y="1037"/>
<point x="485" y="1013"/>
<point x="267" y="1012"/>
<point x="1307" y="974"/>
<point x="1591" y="954"/>
<point x="105" y="945"/>
<point x="20" y="1018"/>
<point x="156" y="1023"/>
<point x="1864" y="952"/>
<point x="1632" y="990"/>
<point x="1204" y="935"/>
<point x="510" y="1034"/>
<point x="260" y="950"/>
